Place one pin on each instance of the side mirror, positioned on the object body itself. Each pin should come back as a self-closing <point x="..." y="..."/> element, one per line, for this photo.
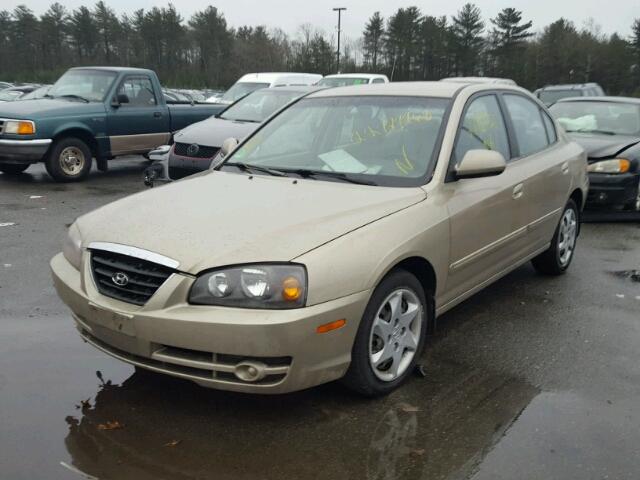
<point x="480" y="163"/>
<point x="228" y="146"/>
<point x="119" y="99"/>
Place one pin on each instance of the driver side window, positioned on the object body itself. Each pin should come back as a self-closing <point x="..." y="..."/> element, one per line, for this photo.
<point x="138" y="91"/>
<point x="482" y="128"/>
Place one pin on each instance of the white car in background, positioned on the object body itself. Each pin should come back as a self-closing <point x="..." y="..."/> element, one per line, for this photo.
<point x="348" y="79"/>
<point x="255" y="81"/>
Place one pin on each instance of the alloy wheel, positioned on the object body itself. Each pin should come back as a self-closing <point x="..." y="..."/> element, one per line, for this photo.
<point x="395" y="334"/>
<point x="72" y="161"/>
<point x="567" y="236"/>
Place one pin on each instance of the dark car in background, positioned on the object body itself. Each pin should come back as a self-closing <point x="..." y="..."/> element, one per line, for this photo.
<point x="552" y="93"/>
<point x="608" y="128"/>
<point x="198" y="144"/>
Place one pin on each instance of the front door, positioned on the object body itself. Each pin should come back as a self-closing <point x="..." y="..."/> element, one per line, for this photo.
<point x="485" y="213"/>
<point x="139" y="122"/>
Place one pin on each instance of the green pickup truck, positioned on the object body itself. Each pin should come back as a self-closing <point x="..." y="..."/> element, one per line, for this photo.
<point x="91" y="112"/>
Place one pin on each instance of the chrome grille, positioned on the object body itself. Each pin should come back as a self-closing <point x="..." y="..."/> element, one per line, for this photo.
<point x="203" y="151"/>
<point x="1" y="126"/>
<point x="143" y="278"/>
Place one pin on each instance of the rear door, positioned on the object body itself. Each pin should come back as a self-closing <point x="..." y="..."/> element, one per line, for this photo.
<point x="548" y="181"/>
<point x="140" y="122"/>
<point x="486" y="233"/>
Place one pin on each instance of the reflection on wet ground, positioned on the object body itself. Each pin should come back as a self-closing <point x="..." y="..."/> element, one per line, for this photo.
<point x="439" y="427"/>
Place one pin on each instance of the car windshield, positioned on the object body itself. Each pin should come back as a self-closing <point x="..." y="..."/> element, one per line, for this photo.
<point x="342" y="81"/>
<point x="613" y="118"/>
<point x="378" y="140"/>
<point x="91" y="85"/>
<point x="240" y="89"/>
<point x="550" y="97"/>
<point x="257" y="106"/>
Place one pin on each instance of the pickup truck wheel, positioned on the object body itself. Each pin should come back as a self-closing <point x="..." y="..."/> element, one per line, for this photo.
<point x="391" y="335"/>
<point x="557" y="258"/>
<point x="69" y="160"/>
<point x="13" y="168"/>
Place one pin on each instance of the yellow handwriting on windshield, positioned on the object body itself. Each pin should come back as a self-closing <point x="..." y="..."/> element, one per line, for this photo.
<point x="391" y="124"/>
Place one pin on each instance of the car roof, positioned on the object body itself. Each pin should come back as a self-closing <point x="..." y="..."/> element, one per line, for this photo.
<point x="569" y="86"/>
<point x="494" y="80"/>
<point x="633" y="100"/>
<point x="356" y="75"/>
<point x="292" y="89"/>
<point x="116" y="69"/>
<point x="440" y="89"/>
<point x="274" y="76"/>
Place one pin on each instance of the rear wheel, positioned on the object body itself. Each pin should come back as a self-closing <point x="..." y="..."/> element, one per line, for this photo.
<point x="69" y="160"/>
<point x="390" y="337"/>
<point x="557" y="258"/>
<point x="13" y="168"/>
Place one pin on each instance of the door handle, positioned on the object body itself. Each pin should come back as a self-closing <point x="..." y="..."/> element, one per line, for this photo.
<point x="565" y="168"/>
<point x="517" y="191"/>
<point x="157" y="114"/>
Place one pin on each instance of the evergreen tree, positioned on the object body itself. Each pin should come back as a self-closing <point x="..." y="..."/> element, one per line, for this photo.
<point x="467" y="31"/>
<point x="508" y="41"/>
<point x="373" y="40"/>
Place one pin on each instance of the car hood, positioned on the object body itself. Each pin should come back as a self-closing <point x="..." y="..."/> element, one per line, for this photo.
<point x="221" y="218"/>
<point x="213" y="131"/>
<point x="599" y="147"/>
<point x="46" y="107"/>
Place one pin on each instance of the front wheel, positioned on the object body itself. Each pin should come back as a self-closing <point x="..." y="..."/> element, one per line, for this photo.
<point x="69" y="160"/>
<point x="13" y="168"/>
<point x="391" y="335"/>
<point x="557" y="258"/>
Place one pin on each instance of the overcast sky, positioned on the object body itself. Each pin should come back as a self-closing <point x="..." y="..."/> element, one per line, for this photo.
<point x="614" y="15"/>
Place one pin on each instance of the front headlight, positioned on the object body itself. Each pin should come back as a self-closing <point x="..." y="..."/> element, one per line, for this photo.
<point x="271" y="286"/>
<point x="618" y="165"/>
<point x="72" y="248"/>
<point x="20" y="127"/>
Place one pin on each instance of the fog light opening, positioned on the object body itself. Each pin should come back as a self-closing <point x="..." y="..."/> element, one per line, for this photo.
<point x="248" y="371"/>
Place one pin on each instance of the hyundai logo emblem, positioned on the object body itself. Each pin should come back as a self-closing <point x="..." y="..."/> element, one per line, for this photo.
<point x="192" y="150"/>
<point x="120" y="279"/>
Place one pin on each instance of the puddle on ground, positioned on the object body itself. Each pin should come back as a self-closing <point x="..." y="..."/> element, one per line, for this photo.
<point x="632" y="275"/>
<point x="439" y="427"/>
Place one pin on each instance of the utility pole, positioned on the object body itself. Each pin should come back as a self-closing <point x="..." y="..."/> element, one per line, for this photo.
<point x="339" y="10"/>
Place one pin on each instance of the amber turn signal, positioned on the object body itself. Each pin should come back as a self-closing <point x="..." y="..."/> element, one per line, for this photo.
<point x="291" y="289"/>
<point x="327" y="327"/>
<point x="26" y="128"/>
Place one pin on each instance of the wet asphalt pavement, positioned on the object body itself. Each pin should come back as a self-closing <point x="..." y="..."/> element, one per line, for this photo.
<point x="533" y="378"/>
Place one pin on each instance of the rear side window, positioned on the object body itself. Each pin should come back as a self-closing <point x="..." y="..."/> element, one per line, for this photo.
<point x="551" y="129"/>
<point x="378" y="80"/>
<point x="528" y="126"/>
<point x="482" y="128"/>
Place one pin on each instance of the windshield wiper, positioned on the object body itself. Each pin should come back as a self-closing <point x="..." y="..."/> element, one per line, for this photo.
<point x="72" y="95"/>
<point x="337" y="175"/>
<point x="588" y="130"/>
<point x="256" y="168"/>
<point x="239" y="120"/>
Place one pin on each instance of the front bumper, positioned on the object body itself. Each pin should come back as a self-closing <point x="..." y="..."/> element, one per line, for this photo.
<point x="212" y="345"/>
<point x="23" y="151"/>
<point x="612" y="190"/>
<point x="180" y="167"/>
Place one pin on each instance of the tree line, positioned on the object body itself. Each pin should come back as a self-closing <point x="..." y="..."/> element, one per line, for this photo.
<point x="204" y="51"/>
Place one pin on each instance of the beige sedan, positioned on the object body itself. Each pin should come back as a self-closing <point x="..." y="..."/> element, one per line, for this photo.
<point x="328" y="242"/>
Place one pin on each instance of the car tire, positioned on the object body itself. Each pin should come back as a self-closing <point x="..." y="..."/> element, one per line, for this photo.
<point x="557" y="258"/>
<point x="69" y="160"/>
<point x="371" y="373"/>
<point x="13" y="168"/>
